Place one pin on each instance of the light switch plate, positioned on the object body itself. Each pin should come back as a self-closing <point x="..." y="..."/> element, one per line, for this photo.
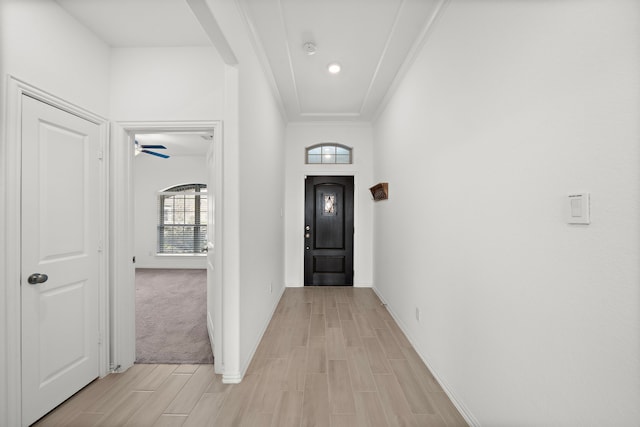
<point x="579" y="209"/>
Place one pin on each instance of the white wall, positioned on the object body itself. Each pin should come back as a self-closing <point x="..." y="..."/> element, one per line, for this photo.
<point x="302" y="135"/>
<point x="254" y="173"/>
<point x="174" y="83"/>
<point x="509" y="107"/>
<point x="261" y="207"/>
<point x="152" y="85"/>
<point x="153" y="174"/>
<point x="45" y="47"/>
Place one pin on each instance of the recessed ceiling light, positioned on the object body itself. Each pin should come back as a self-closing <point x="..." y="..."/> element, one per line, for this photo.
<point x="334" y="68"/>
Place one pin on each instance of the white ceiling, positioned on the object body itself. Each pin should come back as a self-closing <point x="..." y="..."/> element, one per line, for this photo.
<point x="373" y="40"/>
<point x="139" y="23"/>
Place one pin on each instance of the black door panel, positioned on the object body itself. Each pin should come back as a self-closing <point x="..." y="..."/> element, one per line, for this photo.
<point x="328" y="231"/>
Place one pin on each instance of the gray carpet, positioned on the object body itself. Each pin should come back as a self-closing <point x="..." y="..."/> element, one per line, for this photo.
<point x="171" y="319"/>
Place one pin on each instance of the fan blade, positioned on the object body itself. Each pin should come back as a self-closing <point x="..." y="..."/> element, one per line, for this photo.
<point x="164" y="156"/>
<point x="155" y="147"/>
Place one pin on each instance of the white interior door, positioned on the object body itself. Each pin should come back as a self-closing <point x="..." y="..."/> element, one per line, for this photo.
<point x="60" y="239"/>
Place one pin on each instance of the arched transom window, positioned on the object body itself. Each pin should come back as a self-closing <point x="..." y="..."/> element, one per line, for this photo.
<point x="182" y="219"/>
<point x="328" y="152"/>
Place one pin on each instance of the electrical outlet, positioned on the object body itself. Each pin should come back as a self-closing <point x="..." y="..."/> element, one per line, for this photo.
<point x="417" y="314"/>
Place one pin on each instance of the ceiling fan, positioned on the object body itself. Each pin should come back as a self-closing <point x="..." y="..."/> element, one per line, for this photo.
<point x="144" y="148"/>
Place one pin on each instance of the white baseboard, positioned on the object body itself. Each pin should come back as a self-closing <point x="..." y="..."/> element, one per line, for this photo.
<point x="244" y="368"/>
<point x="233" y="378"/>
<point x="216" y="366"/>
<point x="355" y="285"/>
<point x="461" y="407"/>
<point x="363" y="285"/>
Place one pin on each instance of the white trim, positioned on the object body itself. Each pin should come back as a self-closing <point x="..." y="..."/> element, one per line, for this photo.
<point x="232" y="378"/>
<point x="272" y="313"/>
<point x="332" y="115"/>
<point x="12" y="246"/>
<point x="123" y="269"/>
<point x="258" y="48"/>
<point x="385" y="50"/>
<point x="410" y="59"/>
<point x="363" y="285"/>
<point x="230" y="261"/>
<point x="210" y="329"/>
<point x="330" y="123"/>
<point x="217" y="246"/>
<point x="355" y="285"/>
<point x="171" y="126"/>
<point x="464" y="411"/>
<point x="289" y="56"/>
<point x="121" y="236"/>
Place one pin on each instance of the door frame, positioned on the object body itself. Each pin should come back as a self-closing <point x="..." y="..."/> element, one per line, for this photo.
<point x="122" y="211"/>
<point x="11" y="184"/>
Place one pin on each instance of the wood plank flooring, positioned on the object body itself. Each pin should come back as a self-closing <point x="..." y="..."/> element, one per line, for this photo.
<point x="331" y="356"/>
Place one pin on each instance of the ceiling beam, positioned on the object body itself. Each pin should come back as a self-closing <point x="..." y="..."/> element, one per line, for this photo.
<point x="209" y="24"/>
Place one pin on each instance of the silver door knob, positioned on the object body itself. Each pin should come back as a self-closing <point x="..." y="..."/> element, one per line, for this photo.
<point x="36" y="278"/>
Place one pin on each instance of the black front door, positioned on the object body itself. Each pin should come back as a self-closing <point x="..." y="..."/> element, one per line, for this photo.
<point x="328" y="250"/>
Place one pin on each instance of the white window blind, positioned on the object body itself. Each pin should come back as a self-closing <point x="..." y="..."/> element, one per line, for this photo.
<point x="182" y="219"/>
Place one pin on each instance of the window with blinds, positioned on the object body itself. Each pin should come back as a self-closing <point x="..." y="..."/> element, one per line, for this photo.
<point x="182" y="219"/>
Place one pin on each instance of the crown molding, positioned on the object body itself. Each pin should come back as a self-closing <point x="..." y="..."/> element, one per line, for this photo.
<point x="415" y="50"/>
<point x="258" y="48"/>
<point x="372" y="82"/>
<point x="330" y="123"/>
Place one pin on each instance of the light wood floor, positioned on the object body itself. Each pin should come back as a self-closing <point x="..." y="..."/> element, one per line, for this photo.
<point x="330" y="357"/>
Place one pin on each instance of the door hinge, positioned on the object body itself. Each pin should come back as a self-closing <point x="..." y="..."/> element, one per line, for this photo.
<point x="100" y="246"/>
<point x="100" y="155"/>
